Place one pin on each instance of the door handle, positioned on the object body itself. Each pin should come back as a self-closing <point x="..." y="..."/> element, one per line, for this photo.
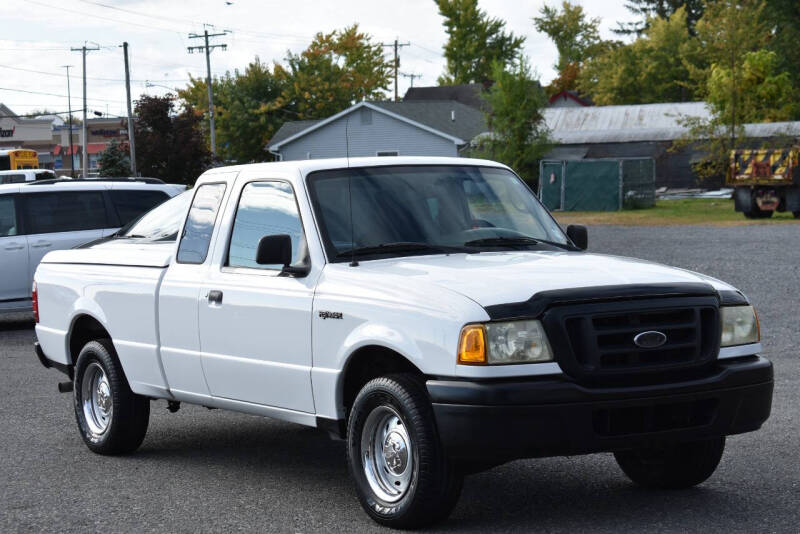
<point x="41" y="244"/>
<point x="215" y="296"/>
<point x="14" y="247"/>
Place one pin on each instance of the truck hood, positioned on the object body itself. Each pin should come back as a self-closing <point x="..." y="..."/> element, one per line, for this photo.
<point x="491" y="278"/>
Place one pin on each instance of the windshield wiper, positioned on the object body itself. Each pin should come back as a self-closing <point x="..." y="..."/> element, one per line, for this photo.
<point x="401" y="246"/>
<point x="502" y="241"/>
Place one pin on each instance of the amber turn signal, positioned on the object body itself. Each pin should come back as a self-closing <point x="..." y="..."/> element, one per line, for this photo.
<point x="472" y="345"/>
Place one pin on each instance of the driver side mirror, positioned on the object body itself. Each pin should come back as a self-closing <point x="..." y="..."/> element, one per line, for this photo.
<point x="578" y="235"/>
<point x="277" y="250"/>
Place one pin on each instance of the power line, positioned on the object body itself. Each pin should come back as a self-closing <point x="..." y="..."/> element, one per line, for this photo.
<point x="53" y="94"/>
<point x="108" y="19"/>
<point x="44" y="112"/>
<point x="198" y="23"/>
<point x="58" y="74"/>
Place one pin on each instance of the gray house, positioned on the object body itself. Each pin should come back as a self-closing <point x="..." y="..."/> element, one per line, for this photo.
<point x="409" y="128"/>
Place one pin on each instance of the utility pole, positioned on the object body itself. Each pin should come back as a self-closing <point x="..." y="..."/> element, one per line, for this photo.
<point x="69" y="110"/>
<point x="412" y="76"/>
<point x="131" y="143"/>
<point x="84" y="154"/>
<point x="207" y="48"/>
<point x="396" y="45"/>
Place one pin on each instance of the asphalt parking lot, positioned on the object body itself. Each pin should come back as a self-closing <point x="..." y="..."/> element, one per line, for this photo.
<point x="215" y="471"/>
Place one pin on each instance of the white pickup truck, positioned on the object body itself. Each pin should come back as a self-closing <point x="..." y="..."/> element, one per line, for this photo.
<point x="429" y="311"/>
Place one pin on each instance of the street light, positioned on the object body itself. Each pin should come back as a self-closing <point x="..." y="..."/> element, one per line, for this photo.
<point x="147" y="83"/>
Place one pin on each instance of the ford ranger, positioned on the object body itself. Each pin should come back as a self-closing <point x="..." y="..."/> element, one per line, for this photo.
<point x="429" y="311"/>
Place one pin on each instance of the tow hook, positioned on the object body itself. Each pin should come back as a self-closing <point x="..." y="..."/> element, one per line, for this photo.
<point x="65" y="387"/>
<point x="173" y="406"/>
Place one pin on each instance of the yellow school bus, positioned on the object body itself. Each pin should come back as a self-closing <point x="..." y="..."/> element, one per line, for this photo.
<point x="18" y="158"/>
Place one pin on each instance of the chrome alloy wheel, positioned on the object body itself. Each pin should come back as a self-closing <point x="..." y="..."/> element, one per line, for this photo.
<point x="98" y="406"/>
<point x="387" y="454"/>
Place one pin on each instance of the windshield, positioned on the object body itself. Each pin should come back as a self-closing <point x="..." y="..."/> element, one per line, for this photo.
<point x="425" y="209"/>
<point x="162" y="222"/>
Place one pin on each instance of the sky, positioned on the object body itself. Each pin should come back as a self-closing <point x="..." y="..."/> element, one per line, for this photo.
<point x="38" y="36"/>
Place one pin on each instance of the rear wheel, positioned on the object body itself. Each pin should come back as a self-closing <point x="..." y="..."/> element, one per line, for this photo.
<point x="111" y="418"/>
<point x="676" y="466"/>
<point x="403" y="479"/>
<point x="796" y="214"/>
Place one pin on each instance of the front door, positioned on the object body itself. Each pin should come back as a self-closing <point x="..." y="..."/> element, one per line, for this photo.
<point x="15" y="288"/>
<point x="255" y="322"/>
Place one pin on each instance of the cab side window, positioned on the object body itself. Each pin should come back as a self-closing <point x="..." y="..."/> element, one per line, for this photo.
<point x="265" y="208"/>
<point x="200" y="222"/>
<point x="8" y="217"/>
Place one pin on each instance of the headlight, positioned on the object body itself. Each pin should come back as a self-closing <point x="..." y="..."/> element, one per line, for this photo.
<point x="502" y="343"/>
<point x="739" y="326"/>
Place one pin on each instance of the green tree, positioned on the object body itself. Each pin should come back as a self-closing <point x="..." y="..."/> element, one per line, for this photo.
<point x="114" y="160"/>
<point x="243" y="128"/>
<point x="337" y="70"/>
<point x="783" y="16"/>
<point x="762" y="94"/>
<point x="648" y="10"/>
<point x="169" y="145"/>
<point x="655" y="67"/>
<point x="475" y="42"/>
<point x="518" y="134"/>
<point x="742" y="83"/>
<point x="577" y="38"/>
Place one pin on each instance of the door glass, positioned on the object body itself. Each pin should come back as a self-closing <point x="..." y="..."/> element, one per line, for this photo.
<point x="265" y="208"/>
<point x="8" y="217"/>
<point x="130" y="204"/>
<point x="65" y="211"/>
<point x="200" y="224"/>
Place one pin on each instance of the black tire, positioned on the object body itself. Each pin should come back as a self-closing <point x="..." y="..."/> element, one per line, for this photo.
<point x="126" y="423"/>
<point x="672" y="467"/>
<point x="435" y="483"/>
<point x="796" y="214"/>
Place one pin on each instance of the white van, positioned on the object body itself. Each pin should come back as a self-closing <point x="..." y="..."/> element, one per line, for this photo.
<point x="20" y="176"/>
<point x="40" y="216"/>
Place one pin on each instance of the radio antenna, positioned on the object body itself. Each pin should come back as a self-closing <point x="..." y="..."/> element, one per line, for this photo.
<point x="353" y="262"/>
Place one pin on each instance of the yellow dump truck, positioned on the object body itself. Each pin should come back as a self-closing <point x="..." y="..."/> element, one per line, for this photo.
<point x="765" y="181"/>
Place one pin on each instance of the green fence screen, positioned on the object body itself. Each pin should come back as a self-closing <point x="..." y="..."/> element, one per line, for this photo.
<point x="597" y="184"/>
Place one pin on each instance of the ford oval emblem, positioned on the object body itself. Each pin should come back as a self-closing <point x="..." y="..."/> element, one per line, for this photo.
<point x="650" y="340"/>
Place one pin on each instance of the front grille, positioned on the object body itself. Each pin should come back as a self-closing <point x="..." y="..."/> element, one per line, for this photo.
<point x="596" y="341"/>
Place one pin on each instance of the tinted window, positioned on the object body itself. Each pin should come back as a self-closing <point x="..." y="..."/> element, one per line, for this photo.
<point x="8" y="217"/>
<point x="12" y="178"/>
<point x="131" y="204"/>
<point x="162" y="222"/>
<point x="65" y="211"/>
<point x="200" y="224"/>
<point x="265" y="208"/>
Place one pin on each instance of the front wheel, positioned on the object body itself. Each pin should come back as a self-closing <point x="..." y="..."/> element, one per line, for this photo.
<point x="676" y="466"/>
<point x="111" y="418"/>
<point x="403" y="479"/>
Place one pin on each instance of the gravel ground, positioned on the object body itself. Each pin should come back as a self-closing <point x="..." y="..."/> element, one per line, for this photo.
<point x="211" y="471"/>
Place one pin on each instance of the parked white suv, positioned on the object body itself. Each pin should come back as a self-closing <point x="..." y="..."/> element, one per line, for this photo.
<point x="41" y="216"/>
<point x="429" y="311"/>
